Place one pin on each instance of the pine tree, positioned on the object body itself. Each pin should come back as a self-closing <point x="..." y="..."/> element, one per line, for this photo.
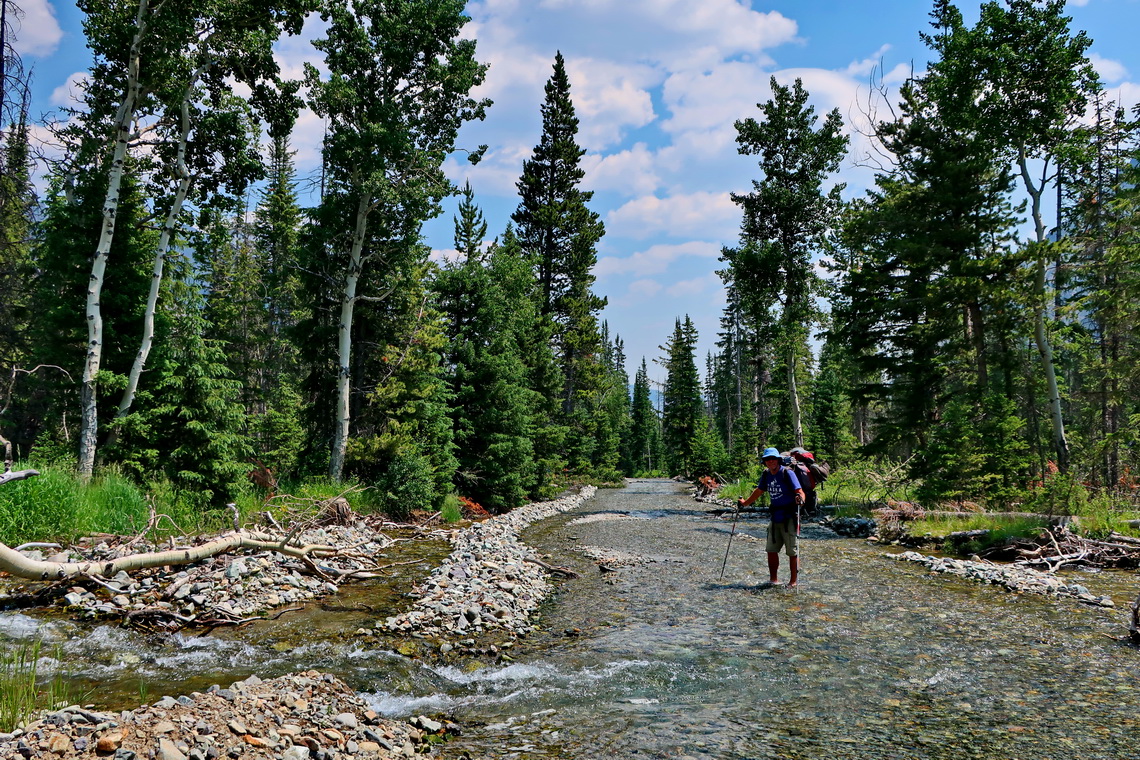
<point x="557" y="229"/>
<point x="786" y="217"/>
<point x="491" y="407"/>
<point x="645" y="427"/>
<point x="683" y="408"/>
<point x="745" y="453"/>
<point x="188" y="423"/>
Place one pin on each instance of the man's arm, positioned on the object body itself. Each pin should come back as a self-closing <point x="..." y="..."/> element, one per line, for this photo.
<point x="751" y="498"/>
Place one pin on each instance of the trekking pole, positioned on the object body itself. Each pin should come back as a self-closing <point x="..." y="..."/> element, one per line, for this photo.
<point x="730" y="535"/>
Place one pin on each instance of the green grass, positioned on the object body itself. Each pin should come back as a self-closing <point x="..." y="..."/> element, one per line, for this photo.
<point x="738" y="490"/>
<point x="57" y="505"/>
<point x="1007" y="526"/>
<point x="21" y="695"/>
<point x="451" y="511"/>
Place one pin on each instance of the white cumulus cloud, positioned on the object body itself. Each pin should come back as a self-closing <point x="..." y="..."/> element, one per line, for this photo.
<point x="69" y="93"/>
<point x="655" y="259"/>
<point x="37" y="32"/>
<point x="629" y="172"/>
<point x="1110" y="71"/>
<point x="703" y="214"/>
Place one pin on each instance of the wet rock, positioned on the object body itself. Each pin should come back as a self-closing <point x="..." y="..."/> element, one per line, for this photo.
<point x="1013" y="577"/>
<point x="487" y="583"/>
<point x="328" y="722"/>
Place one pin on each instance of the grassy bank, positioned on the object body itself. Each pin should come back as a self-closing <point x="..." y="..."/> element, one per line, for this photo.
<point x="21" y="693"/>
<point x="58" y="506"/>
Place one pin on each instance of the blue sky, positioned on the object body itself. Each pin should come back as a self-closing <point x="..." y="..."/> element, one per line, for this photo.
<point x="657" y="85"/>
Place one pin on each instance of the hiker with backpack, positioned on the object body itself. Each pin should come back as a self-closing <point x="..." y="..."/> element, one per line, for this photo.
<point x="786" y="493"/>
<point x="811" y="474"/>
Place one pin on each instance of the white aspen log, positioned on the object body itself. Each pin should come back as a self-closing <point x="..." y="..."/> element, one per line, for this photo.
<point x="344" y="341"/>
<point x="15" y="563"/>
<point x="89" y="403"/>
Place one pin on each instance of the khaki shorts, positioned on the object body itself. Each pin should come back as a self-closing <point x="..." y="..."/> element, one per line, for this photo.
<point x="783" y="535"/>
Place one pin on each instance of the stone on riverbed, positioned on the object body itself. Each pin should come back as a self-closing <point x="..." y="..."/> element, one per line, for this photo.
<point x="298" y="717"/>
<point x="1012" y="577"/>
<point x="486" y="583"/>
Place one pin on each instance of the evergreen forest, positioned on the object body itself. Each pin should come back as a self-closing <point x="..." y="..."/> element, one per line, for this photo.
<point x="177" y="311"/>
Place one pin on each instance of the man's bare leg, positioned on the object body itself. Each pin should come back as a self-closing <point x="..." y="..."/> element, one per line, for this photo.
<point x="773" y="567"/>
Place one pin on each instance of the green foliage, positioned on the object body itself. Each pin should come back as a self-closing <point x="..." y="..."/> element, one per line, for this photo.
<point x="188" y="420"/>
<point x="400" y="481"/>
<point x="558" y="233"/>
<point x="645" y="448"/>
<point x="451" y="511"/>
<point x="491" y="407"/>
<point x="745" y="457"/>
<point x="786" y="218"/>
<point x="22" y="694"/>
<point x="682" y="406"/>
<point x="1057" y="494"/>
<point x="58" y="506"/>
<point x="708" y="454"/>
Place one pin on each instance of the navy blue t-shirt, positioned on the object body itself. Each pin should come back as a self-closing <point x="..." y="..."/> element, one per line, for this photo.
<point x="781" y="487"/>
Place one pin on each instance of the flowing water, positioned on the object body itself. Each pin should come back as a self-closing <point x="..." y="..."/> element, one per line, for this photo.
<point x="869" y="658"/>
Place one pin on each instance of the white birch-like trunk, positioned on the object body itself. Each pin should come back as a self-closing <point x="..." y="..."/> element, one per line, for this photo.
<point x="794" y="397"/>
<point x="1040" y="305"/>
<point x="167" y="235"/>
<point x="344" y="341"/>
<point x="89" y="397"/>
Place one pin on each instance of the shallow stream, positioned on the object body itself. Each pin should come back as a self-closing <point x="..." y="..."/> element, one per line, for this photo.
<point x="869" y="658"/>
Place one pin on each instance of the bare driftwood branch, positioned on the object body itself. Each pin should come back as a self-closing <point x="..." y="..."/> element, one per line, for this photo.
<point x="563" y="571"/>
<point x="11" y="561"/>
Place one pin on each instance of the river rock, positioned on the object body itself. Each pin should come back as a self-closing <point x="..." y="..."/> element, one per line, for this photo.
<point x="487" y="583"/>
<point x="329" y="720"/>
<point x="1012" y="576"/>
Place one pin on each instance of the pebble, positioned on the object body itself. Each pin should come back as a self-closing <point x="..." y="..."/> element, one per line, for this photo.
<point x="224" y="586"/>
<point x="486" y="583"/>
<point x="1013" y="577"/>
<point x="333" y="722"/>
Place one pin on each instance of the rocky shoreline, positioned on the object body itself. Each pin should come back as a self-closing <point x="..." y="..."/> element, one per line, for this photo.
<point x="1012" y="577"/>
<point x="490" y="582"/>
<point x="224" y="589"/>
<point x="306" y="716"/>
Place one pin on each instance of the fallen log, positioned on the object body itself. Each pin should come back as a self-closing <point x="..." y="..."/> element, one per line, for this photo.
<point x="11" y="561"/>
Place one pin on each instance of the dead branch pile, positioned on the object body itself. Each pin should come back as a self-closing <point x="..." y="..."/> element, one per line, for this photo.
<point x="228" y="579"/>
<point x="1058" y="546"/>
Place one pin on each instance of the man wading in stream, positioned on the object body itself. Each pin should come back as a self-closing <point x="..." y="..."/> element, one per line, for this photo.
<point x="781" y="484"/>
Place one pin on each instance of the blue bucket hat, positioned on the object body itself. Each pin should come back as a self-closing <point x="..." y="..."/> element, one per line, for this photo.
<point x="770" y="453"/>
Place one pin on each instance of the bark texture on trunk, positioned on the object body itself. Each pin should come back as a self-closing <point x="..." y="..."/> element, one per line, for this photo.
<point x="89" y="396"/>
<point x="344" y="342"/>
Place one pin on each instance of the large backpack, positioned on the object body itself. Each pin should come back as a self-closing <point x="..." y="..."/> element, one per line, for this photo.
<point x="820" y="471"/>
<point x="807" y="478"/>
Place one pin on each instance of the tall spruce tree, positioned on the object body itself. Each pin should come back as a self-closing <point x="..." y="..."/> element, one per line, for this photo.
<point x="558" y="230"/>
<point x="786" y="217"/>
<point x="683" y="409"/>
<point x="491" y="407"/>
<point x="644" y="427"/>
